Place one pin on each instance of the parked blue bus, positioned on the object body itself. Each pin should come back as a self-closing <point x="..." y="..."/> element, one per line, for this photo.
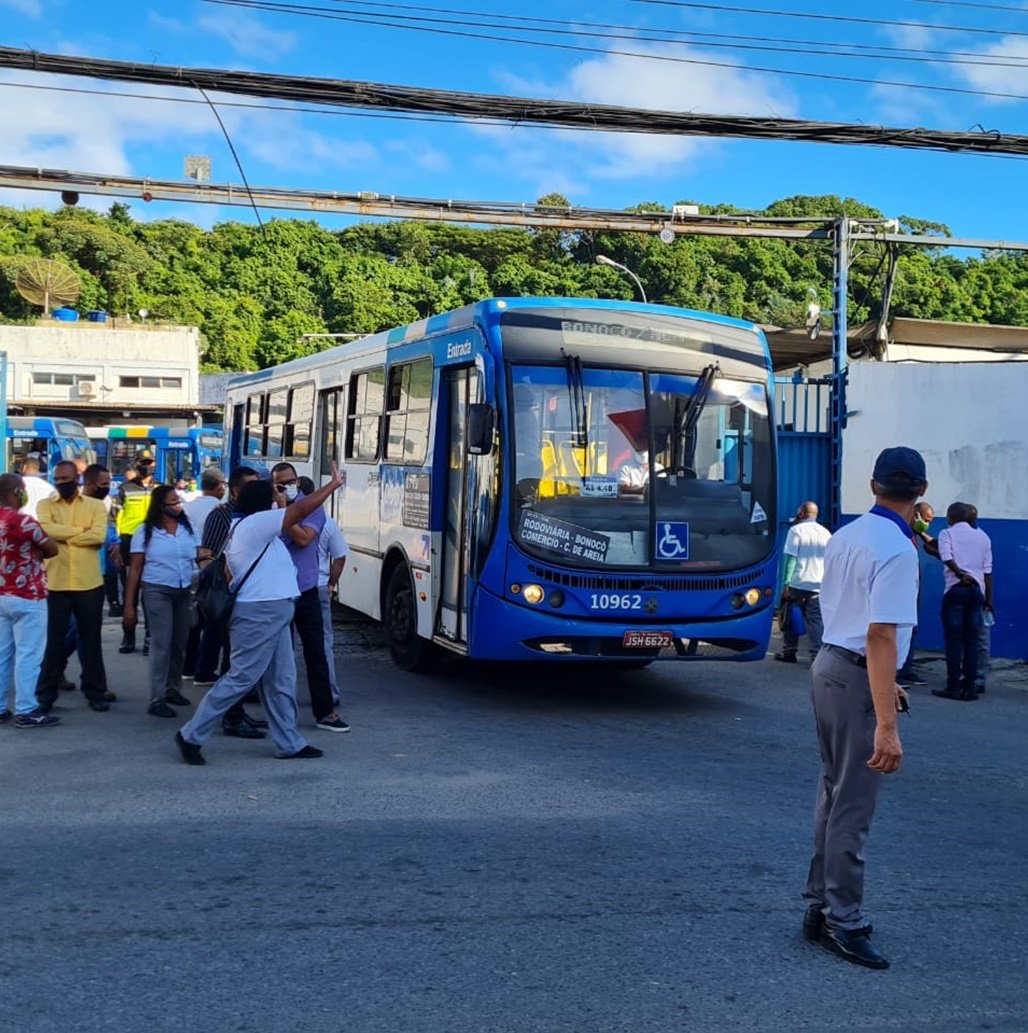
<point x="179" y="454"/>
<point x="541" y="478"/>
<point x="48" y="439"/>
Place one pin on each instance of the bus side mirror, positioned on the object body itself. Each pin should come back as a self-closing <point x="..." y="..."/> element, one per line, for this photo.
<point x="481" y="426"/>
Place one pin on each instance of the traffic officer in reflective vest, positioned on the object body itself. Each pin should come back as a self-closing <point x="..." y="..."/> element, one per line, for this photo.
<point x="869" y="605"/>
<point x="133" y="502"/>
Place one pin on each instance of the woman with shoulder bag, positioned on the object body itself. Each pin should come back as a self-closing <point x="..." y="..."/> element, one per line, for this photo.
<point x="163" y="560"/>
<point x="260" y="625"/>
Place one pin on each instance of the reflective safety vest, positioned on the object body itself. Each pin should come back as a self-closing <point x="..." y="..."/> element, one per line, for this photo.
<point x="135" y="501"/>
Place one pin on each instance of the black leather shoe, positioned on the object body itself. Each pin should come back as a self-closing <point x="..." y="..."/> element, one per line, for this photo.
<point x="99" y="705"/>
<point x="953" y="694"/>
<point x="176" y="699"/>
<point x="158" y="708"/>
<point x="189" y="750"/>
<point x="813" y="923"/>
<point x="242" y="730"/>
<point x="256" y="722"/>
<point x="128" y="644"/>
<point x="306" y="753"/>
<point x="786" y="658"/>
<point x="853" y="945"/>
<point x="111" y="697"/>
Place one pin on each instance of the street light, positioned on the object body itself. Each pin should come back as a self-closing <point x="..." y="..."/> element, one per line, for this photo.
<point x="604" y="260"/>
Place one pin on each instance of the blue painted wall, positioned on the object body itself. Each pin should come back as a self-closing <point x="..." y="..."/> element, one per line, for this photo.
<point x="1010" y="572"/>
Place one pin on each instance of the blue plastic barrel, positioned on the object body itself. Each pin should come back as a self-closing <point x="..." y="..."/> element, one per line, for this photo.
<point x="66" y="315"/>
<point x="97" y="316"/>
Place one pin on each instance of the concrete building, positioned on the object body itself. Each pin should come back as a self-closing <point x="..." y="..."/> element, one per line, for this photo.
<point x="105" y="373"/>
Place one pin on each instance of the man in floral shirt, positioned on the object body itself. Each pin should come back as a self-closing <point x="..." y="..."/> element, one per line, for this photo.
<point x="23" y="547"/>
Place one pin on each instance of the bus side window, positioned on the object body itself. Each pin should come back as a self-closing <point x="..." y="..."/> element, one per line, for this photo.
<point x="297" y="444"/>
<point x="329" y="427"/>
<point x="364" y="414"/>
<point x="407" y="412"/>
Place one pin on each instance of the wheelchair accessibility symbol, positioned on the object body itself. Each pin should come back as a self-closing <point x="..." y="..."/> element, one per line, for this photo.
<point x="672" y="541"/>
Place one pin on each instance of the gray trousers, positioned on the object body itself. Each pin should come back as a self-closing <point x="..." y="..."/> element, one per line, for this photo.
<point x="170" y="614"/>
<point x="326" y="623"/>
<point x="984" y="654"/>
<point x="845" y="719"/>
<point x="262" y="654"/>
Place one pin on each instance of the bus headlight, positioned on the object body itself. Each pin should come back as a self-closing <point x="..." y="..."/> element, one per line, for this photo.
<point x="556" y="599"/>
<point x="533" y="594"/>
<point x="752" y="597"/>
<point x="737" y="601"/>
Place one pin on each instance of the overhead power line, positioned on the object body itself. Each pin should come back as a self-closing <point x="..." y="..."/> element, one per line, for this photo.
<point x="395" y="15"/>
<point x="549" y="113"/>
<point x="469" y="33"/>
<point x="848" y="19"/>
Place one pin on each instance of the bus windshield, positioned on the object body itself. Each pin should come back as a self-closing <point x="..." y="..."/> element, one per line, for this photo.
<point x="622" y="468"/>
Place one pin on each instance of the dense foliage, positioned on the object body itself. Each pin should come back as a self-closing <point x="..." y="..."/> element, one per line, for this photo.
<point x="254" y="293"/>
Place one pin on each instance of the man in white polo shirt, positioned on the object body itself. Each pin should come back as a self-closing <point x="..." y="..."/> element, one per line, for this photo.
<point x="966" y="553"/>
<point x="804" y="567"/>
<point x="869" y="605"/>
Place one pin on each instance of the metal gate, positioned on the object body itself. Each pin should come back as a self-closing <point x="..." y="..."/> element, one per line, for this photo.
<point x="804" y="427"/>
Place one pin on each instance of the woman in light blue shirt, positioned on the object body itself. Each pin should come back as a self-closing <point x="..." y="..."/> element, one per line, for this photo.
<point x="163" y="561"/>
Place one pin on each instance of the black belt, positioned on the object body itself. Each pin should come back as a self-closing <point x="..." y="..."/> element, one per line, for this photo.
<point x="847" y="654"/>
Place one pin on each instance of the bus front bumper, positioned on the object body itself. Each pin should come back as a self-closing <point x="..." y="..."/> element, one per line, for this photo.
<point x="505" y="632"/>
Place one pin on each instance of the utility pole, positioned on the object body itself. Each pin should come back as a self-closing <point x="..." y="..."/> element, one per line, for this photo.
<point x="840" y="359"/>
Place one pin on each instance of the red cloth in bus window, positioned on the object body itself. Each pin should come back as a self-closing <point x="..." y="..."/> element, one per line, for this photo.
<point x="632" y="423"/>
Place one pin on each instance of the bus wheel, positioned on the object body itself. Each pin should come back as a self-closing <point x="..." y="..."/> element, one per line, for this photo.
<point x="408" y="650"/>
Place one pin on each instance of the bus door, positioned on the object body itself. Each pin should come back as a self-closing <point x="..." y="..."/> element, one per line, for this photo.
<point x="464" y="388"/>
<point x="331" y="428"/>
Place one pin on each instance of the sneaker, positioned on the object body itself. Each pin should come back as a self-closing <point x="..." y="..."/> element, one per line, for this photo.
<point x="64" y="685"/>
<point x="128" y="644"/>
<point x="35" y="719"/>
<point x="203" y="681"/>
<point x="189" y="750"/>
<point x="5" y="716"/>
<point x="242" y="730"/>
<point x="786" y="658"/>
<point x="176" y="699"/>
<point x="160" y="709"/>
<point x="110" y="697"/>
<point x="115" y="611"/>
<point x="333" y="723"/>
<point x="307" y="753"/>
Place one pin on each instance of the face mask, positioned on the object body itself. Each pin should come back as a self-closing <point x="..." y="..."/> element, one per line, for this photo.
<point x="291" y="491"/>
<point x="173" y="510"/>
<point x="67" y="491"/>
<point x="102" y="493"/>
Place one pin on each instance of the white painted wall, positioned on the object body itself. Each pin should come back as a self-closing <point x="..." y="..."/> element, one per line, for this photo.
<point x="103" y="354"/>
<point x="968" y="420"/>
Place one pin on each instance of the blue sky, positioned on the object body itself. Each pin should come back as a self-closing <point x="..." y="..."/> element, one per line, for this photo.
<point x="976" y="196"/>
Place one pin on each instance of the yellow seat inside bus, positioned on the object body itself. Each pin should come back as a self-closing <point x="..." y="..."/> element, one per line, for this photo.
<point x="564" y="464"/>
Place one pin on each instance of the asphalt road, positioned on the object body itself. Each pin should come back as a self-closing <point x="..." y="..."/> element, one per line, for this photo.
<point x="497" y="850"/>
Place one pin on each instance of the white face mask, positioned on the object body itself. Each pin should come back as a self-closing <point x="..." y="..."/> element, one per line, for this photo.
<point x="291" y="491"/>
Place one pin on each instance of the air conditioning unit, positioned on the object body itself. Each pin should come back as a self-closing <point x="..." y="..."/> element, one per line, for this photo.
<point x="87" y="388"/>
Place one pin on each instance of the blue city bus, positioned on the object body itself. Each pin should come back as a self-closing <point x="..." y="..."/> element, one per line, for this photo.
<point x="48" y="439"/>
<point x="179" y="454"/>
<point x="541" y="478"/>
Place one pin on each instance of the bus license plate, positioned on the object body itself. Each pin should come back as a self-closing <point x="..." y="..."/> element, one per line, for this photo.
<point x="647" y="639"/>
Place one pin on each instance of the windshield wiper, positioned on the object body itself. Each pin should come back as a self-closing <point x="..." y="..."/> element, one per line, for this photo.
<point x="579" y="415"/>
<point x="686" y="442"/>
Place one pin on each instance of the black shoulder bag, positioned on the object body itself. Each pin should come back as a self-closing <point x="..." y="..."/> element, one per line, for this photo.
<point x="214" y="595"/>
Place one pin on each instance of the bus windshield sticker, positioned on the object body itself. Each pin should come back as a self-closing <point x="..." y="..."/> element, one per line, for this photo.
<point x="414" y="511"/>
<point x="758" y="513"/>
<point x="672" y="541"/>
<point x="560" y="536"/>
<point x="599" y="487"/>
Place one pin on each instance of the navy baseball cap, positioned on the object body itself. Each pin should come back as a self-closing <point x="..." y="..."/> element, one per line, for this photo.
<point x="899" y="462"/>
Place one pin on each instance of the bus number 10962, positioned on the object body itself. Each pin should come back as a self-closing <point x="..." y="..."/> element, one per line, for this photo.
<point x="615" y="601"/>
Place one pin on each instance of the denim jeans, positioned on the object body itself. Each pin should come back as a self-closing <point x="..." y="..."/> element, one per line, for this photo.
<point x="22" y="642"/>
<point x="810" y="606"/>
<point x="961" y="625"/>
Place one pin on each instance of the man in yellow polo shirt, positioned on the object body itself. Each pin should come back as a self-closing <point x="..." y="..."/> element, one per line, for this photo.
<point x="75" y="586"/>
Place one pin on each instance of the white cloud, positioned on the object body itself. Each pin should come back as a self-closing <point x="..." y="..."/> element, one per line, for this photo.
<point x="995" y="78"/>
<point x="641" y="83"/>
<point x="29" y="8"/>
<point x="247" y="36"/>
<point x="420" y="154"/>
<point x="292" y="148"/>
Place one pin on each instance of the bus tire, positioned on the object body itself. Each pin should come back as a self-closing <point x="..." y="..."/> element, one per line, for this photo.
<point x="407" y="649"/>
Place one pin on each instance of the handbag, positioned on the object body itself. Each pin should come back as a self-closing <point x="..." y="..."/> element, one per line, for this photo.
<point x="797" y="626"/>
<point x="215" y="596"/>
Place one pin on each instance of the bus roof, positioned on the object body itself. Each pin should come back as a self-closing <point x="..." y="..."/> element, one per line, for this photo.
<point x="483" y="311"/>
<point x="45" y="426"/>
